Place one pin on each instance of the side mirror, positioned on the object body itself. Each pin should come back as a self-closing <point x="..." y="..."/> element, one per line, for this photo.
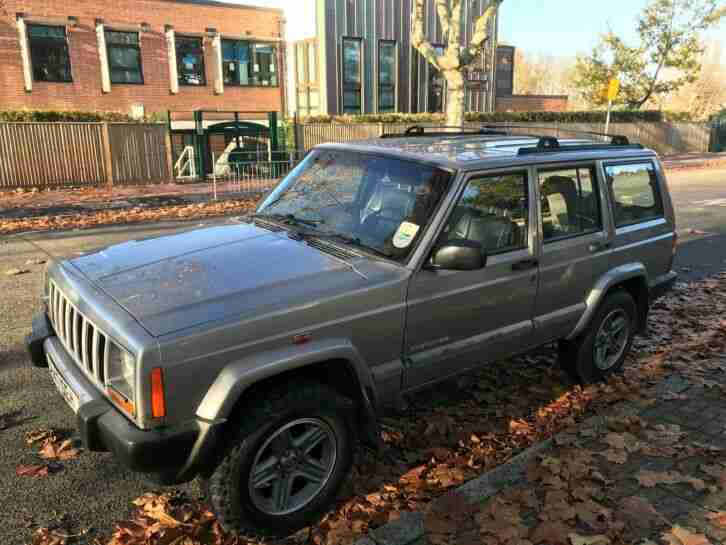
<point x="459" y="255"/>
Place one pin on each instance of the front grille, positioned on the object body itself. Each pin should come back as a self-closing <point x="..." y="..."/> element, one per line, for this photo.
<point x="81" y="338"/>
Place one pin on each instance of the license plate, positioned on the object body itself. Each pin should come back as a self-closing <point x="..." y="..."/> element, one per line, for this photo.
<point x="63" y="388"/>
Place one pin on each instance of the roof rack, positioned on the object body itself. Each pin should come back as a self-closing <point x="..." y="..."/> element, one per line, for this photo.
<point x="550" y="144"/>
<point x="419" y="130"/>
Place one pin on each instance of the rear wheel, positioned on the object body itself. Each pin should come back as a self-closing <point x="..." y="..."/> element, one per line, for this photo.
<point x="285" y="462"/>
<point x="601" y="350"/>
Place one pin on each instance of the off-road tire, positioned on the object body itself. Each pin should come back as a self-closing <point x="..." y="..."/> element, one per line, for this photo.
<point x="577" y="357"/>
<point x="226" y="487"/>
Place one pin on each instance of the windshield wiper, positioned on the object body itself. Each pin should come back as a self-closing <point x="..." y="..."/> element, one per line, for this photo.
<point x="288" y="219"/>
<point x="352" y="241"/>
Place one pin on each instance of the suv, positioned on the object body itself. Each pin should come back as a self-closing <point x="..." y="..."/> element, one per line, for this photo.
<point x="258" y="354"/>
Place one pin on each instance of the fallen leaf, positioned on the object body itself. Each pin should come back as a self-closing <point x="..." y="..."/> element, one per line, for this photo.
<point x="64" y="450"/>
<point x="551" y="533"/>
<point x="577" y="539"/>
<point x="718" y="518"/>
<point x="16" y="272"/>
<point x="36" y="471"/>
<point x="680" y="536"/>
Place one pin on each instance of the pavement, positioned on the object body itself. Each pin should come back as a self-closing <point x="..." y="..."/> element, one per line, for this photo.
<point x="680" y="431"/>
<point x="94" y="491"/>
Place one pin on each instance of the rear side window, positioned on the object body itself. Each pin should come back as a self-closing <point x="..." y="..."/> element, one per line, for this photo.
<point x="636" y="194"/>
<point x="570" y="202"/>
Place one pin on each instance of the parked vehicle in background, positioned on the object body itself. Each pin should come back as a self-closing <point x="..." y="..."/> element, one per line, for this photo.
<point x="258" y="355"/>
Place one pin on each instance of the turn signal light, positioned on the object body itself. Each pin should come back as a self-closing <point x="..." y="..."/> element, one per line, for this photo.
<point x="158" y="404"/>
<point x="121" y="401"/>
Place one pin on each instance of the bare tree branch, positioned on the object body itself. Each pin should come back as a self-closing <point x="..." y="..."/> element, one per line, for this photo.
<point x="442" y="9"/>
<point x="418" y="37"/>
<point x="455" y="31"/>
<point x="481" y="34"/>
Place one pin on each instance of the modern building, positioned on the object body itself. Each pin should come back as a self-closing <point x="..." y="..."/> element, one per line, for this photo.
<point x="361" y="61"/>
<point x="141" y="56"/>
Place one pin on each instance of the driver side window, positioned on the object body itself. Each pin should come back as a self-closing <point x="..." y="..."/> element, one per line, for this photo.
<point x="493" y="211"/>
<point x="570" y="203"/>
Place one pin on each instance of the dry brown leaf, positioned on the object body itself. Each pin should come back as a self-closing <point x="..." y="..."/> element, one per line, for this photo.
<point x="551" y="533"/>
<point x="615" y="456"/>
<point x="577" y="539"/>
<point x="36" y="471"/>
<point x="52" y="450"/>
<point x="680" y="536"/>
<point x="717" y="519"/>
<point x="39" y="436"/>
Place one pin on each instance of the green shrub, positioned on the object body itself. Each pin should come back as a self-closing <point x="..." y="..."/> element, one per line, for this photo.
<point x="625" y="116"/>
<point x="52" y="116"/>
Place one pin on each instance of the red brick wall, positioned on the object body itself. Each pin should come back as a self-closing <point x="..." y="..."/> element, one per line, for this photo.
<point x="532" y="103"/>
<point x="84" y="93"/>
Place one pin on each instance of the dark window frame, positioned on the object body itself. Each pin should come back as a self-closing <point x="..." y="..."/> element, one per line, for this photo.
<point x="252" y="75"/>
<point x="179" y="61"/>
<point x="136" y="46"/>
<point x="596" y="191"/>
<point x="525" y="174"/>
<point x="657" y="190"/>
<point x="48" y="42"/>
<point x="348" y="87"/>
<point x="393" y="88"/>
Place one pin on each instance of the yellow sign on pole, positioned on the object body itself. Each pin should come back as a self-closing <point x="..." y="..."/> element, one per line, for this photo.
<point x="613" y="89"/>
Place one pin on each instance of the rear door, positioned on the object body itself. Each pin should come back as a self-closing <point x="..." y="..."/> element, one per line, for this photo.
<point x="460" y="319"/>
<point x="576" y="236"/>
<point x="643" y="215"/>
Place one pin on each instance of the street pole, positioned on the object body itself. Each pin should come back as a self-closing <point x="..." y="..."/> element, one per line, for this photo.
<point x="607" y="119"/>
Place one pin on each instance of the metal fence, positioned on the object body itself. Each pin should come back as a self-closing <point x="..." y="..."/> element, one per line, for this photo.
<point x="251" y="172"/>
<point x="663" y="137"/>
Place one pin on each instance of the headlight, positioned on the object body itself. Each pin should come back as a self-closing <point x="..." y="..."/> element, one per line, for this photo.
<point x="120" y="375"/>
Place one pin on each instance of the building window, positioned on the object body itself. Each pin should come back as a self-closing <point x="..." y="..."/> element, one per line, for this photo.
<point x="265" y="69"/>
<point x="124" y="57"/>
<point x="236" y="62"/>
<point x="387" y="76"/>
<point x="49" y="53"/>
<point x="352" y="75"/>
<point x="190" y="61"/>
<point x="246" y="63"/>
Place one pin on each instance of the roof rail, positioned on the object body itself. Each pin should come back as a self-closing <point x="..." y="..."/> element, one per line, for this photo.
<point x="616" y="139"/>
<point x="550" y="144"/>
<point x="420" y="130"/>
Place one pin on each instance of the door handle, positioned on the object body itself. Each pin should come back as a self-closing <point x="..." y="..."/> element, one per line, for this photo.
<point x="599" y="247"/>
<point x="525" y="265"/>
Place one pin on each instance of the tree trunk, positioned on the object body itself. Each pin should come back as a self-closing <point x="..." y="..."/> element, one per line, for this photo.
<point x="455" y="98"/>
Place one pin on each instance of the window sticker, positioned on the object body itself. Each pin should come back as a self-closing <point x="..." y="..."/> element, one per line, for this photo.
<point x="405" y="234"/>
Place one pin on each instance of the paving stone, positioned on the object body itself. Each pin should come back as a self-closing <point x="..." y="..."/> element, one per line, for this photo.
<point x="406" y="530"/>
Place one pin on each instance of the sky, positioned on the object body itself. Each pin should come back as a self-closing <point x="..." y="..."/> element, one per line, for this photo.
<point x="547" y="27"/>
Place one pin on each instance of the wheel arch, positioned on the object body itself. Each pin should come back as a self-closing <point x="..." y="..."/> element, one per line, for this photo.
<point x="632" y="278"/>
<point x="334" y="362"/>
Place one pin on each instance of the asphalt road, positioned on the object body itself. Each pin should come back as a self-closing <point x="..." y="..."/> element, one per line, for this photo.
<point x="92" y="492"/>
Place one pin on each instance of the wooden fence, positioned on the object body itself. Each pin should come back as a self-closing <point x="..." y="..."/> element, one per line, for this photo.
<point x="62" y="154"/>
<point x="663" y="137"/>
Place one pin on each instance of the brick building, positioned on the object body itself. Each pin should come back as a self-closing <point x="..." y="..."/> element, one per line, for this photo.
<point x="140" y="56"/>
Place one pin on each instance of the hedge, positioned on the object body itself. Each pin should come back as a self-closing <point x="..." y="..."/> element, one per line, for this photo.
<point x="499" y="117"/>
<point x="52" y="116"/>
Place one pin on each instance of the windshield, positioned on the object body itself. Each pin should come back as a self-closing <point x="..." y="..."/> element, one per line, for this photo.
<point x="377" y="203"/>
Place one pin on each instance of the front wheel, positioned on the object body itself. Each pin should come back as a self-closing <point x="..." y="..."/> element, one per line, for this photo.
<point x="283" y="475"/>
<point x="601" y="350"/>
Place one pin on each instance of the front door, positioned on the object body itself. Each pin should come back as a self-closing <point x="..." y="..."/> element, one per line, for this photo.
<point x="575" y="243"/>
<point x="460" y="319"/>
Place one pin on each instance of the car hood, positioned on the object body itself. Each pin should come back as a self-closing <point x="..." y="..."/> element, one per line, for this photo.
<point x="179" y="281"/>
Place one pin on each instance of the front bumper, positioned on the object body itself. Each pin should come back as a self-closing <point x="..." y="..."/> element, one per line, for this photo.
<point x="173" y="455"/>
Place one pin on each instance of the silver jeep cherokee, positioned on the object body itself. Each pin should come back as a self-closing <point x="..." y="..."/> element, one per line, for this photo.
<point x="257" y="354"/>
